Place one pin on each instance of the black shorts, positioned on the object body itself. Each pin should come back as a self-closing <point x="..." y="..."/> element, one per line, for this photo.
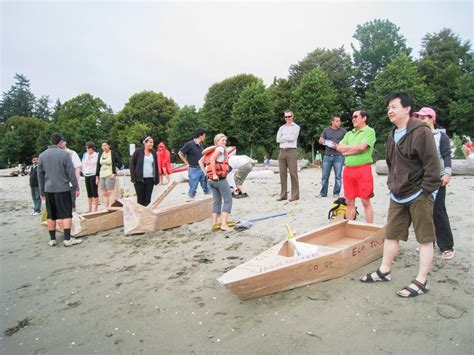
<point x="58" y="205"/>
<point x="91" y="187"/>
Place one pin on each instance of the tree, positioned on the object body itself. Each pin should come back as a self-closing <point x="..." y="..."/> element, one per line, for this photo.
<point x="461" y="109"/>
<point x="150" y="108"/>
<point x="56" y="108"/>
<point x="42" y="109"/>
<point x="252" y="115"/>
<point x="219" y="101"/>
<point x="337" y="65"/>
<point x="130" y="134"/>
<point x="444" y="59"/>
<point x="400" y="75"/>
<point x="379" y="42"/>
<point x="18" y="101"/>
<point x="26" y="131"/>
<point x="315" y="101"/>
<point x="280" y="94"/>
<point x="182" y="126"/>
<point x="82" y="119"/>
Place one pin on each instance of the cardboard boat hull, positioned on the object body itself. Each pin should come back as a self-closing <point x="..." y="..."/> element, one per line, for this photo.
<point x="342" y="247"/>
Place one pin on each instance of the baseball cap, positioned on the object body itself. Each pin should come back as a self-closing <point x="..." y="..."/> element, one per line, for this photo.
<point x="425" y="111"/>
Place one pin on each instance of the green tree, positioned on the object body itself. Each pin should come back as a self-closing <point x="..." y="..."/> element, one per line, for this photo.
<point x="444" y="59"/>
<point x="219" y="101"/>
<point x="182" y="127"/>
<point x="400" y="75"/>
<point x="130" y="134"/>
<point x="81" y="119"/>
<point x="252" y="115"/>
<point x="18" y="101"/>
<point x="280" y="94"/>
<point x="26" y="131"/>
<point x="150" y="108"/>
<point x="42" y="109"/>
<point x="337" y="65"/>
<point x="55" y="111"/>
<point x="461" y="109"/>
<point x="379" y="42"/>
<point x="315" y="101"/>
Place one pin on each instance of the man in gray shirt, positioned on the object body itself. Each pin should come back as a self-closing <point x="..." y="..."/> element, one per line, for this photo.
<point x="287" y="138"/>
<point x="332" y="158"/>
<point x="55" y="173"/>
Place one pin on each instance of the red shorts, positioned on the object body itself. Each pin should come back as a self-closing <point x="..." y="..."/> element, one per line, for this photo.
<point x="358" y="181"/>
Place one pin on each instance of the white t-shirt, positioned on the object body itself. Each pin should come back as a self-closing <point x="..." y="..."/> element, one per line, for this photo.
<point x="236" y="161"/>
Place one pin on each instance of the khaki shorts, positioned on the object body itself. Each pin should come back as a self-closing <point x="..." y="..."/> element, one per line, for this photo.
<point x="107" y="183"/>
<point x="242" y="173"/>
<point x="420" y="212"/>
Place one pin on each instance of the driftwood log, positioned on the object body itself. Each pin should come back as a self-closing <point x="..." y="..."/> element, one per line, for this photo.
<point x="459" y="166"/>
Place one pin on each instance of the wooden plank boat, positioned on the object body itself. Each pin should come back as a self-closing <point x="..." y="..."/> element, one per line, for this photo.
<point x="335" y="250"/>
<point x="140" y="219"/>
<point x="94" y="222"/>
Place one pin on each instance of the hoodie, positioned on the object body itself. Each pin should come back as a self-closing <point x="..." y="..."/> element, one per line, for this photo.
<point x="413" y="162"/>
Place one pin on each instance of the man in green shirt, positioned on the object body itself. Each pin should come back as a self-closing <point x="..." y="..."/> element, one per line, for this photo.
<point x="357" y="146"/>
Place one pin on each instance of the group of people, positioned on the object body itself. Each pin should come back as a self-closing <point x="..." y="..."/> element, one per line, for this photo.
<point x="418" y="159"/>
<point x="419" y="162"/>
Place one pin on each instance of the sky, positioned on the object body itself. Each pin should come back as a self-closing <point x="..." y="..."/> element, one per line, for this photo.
<point x="114" y="49"/>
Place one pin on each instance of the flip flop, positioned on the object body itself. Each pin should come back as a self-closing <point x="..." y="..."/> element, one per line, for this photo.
<point x="447" y="254"/>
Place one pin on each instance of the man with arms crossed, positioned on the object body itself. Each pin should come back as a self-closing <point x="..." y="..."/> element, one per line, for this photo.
<point x="357" y="147"/>
<point x="55" y="173"/>
<point x="287" y="138"/>
<point x="413" y="178"/>
<point x="332" y="158"/>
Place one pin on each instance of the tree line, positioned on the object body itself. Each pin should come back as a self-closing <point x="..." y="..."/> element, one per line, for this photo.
<point x="325" y="82"/>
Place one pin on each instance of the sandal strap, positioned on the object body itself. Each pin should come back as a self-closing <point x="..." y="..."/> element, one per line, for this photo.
<point x="421" y="286"/>
<point x="382" y="275"/>
<point x="412" y="292"/>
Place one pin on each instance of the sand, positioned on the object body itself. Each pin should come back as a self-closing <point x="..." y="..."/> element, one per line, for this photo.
<point x="157" y="293"/>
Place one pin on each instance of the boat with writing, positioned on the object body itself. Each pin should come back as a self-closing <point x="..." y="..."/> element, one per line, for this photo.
<point x="328" y="252"/>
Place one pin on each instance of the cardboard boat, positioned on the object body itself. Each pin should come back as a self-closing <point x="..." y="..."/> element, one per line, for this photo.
<point x="326" y="253"/>
<point x="140" y="219"/>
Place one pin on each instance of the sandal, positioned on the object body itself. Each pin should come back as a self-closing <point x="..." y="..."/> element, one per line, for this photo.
<point x="377" y="276"/>
<point x="447" y="254"/>
<point x="421" y="289"/>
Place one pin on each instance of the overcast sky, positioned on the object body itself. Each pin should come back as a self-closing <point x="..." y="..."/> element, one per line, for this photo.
<point x="114" y="49"/>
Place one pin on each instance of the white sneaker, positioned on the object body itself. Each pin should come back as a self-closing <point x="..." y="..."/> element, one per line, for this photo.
<point x="71" y="242"/>
<point x="35" y="213"/>
<point x="52" y="243"/>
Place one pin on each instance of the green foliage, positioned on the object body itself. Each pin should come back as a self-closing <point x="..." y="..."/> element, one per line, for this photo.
<point x="400" y="75"/>
<point x="19" y="139"/>
<point x="315" y="101"/>
<point x="252" y="117"/>
<point x="130" y="134"/>
<point x="444" y="59"/>
<point x="42" y="109"/>
<point x="379" y="42"/>
<point x="280" y="95"/>
<point x="150" y="108"/>
<point x="461" y="109"/>
<point x="18" y="101"/>
<point x="218" y="104"/>
<point x="457" y="141"/>
<point x="337" y="65"/>
<point x="182" y="127"/>
<point x="82" y="119"/>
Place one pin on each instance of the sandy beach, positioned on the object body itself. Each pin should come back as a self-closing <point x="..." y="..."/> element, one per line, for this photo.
<point x="157" y="293"/>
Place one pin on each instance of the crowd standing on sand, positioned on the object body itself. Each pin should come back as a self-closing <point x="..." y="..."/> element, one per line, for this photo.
<point x="419" y="169"/>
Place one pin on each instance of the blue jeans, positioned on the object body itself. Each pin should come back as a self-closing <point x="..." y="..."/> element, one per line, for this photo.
<point x="35" y="195"/>
<point x="329" y="162"/>
<point x="196" y="176"/>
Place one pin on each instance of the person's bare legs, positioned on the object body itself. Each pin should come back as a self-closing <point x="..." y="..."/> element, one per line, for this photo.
<point x="390" y="251"/>
<point x="214" y="218"/>
<point x="368" y="210"/>
<point x="224" y="225"/>
<point x="106" y="197"/>
<point x="426" y="260"/>
<point x="351" y="209"/>
<point x="89" y="204"/>
<point x="95" y="200"/>
<point x="111" y="197"/>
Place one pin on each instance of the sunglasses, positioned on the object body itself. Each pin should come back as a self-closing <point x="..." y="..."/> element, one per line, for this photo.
<point x="288" y="116"/>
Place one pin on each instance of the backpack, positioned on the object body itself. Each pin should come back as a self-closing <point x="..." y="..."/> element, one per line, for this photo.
<point x="222" y="168"/>
<point x="339" y="208"/>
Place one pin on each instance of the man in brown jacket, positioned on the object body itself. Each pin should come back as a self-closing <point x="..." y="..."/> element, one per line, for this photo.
<point x="413" y="179"/>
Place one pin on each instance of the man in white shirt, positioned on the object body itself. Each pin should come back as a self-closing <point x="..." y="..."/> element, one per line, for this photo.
<point x="287" y="138"/>
<point x="241" y="166"/>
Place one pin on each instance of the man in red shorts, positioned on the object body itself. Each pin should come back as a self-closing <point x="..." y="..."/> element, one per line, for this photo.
<point x="357" y="146"/>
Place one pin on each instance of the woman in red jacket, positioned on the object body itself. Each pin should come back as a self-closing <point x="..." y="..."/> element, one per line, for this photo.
<point x="164" y="162"/>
